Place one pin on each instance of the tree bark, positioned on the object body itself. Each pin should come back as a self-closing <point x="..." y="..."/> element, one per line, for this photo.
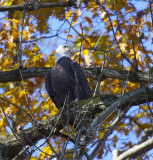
<point x="136" y="150"/>
<point x="33" y="72"/>
<point x="31" y="6"/>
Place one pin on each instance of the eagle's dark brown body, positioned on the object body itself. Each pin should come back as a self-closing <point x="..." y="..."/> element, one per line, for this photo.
<point x="66" y="82"/>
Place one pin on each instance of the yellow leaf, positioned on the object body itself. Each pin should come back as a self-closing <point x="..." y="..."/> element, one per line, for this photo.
<point x="2" y="3"/>
<point x="24" y="33"/>
<point x="22" y="93"/>
<point x="123" y="46"/>
<point x="69" y="36"/>
<point x="8" y="3"/>
<point x="132" y="19"/>
<point x="144" y="107"/>
<point x="16" y="66"/>
<point x="85" y="52"/>
<point x="36" y="59"/>
<point x="75" y="55"/>
<point x="33" y="158"/>
<point x="46" y="150"/>
<point x="118" y="34"/>
<point x="35" y="49"/>
<point x="2" y="122"/>
<point x="79" y="44"/>
<point x="68" y="14"/>
<point x="131" y="54"/>
<point x="101" y="134"/>
<point x="50" y="61"/>
<point x="44" y="118"/>
<point x="10" y="46"/>
<point x="105" y="19"/>
<point x="116" y="89"/>
<point x="52" y="109"/>
<point x="6" y="63"/>
<point x="115" y="23"/>
<point x="46" y="106"/>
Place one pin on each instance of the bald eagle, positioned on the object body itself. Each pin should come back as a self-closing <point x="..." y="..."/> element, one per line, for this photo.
<point x="66" y="81"/>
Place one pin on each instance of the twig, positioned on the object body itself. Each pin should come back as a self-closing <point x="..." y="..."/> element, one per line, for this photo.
<point x="78" y="33"/>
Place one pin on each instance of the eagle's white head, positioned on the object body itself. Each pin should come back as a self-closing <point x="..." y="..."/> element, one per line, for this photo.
<point x="61" y="51"/>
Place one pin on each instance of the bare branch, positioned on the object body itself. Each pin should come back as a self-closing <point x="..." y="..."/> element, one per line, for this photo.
<point x="137" y="150"/>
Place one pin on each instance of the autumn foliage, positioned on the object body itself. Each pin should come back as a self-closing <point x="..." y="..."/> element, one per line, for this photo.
<point x="115" y="34"/>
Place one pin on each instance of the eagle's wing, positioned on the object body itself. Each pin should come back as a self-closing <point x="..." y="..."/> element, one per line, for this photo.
<point x="82" y="86"/>
<point x="50" y="89"/>
<point x="83" y="91"/>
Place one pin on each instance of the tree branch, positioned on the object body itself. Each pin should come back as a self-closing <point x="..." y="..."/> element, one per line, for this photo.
<point x="33" y="72"/>
<point x="143" y="146"/>
<point x="136" y="150"/>
<point x="54" y="124"/>
<point x="31" y="7"/>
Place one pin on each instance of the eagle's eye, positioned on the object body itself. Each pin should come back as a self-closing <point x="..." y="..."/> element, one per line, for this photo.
<point x="64" y="46"/>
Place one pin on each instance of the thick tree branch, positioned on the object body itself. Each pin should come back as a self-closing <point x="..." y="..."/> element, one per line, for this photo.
<point x="14" y="75"/>
<point x="33" y="72"/>
<point x="148" y="132"/>
<point x="52" y="125"/>
<point x="135" y="151"/>
<point x="31" y="6"/>
<point x="143" y="146"/>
